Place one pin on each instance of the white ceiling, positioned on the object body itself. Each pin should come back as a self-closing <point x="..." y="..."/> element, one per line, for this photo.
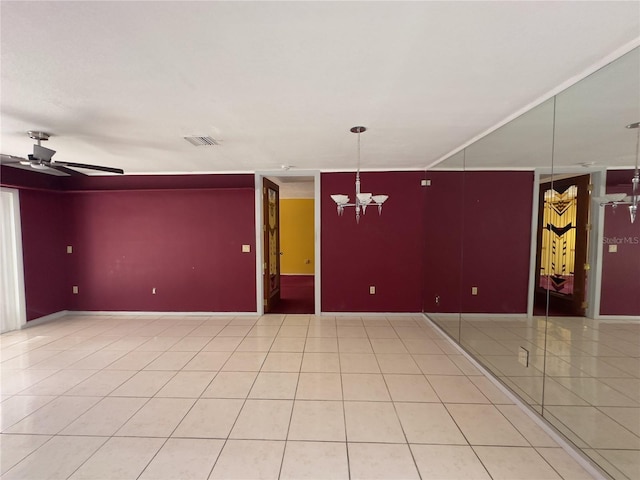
<point x="281" y="83"/>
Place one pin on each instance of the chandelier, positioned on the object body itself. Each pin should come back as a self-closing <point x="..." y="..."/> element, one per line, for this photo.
<point x="632" y="200"/>
<point x="361" y="200"/>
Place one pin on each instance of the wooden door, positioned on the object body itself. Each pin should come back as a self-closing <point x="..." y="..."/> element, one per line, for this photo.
<point x="271" y="231"/>
<point x="562" y="245"/>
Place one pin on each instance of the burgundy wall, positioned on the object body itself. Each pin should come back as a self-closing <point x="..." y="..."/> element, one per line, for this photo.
<point x="620" y="270"/>
<point x="385" y="251"/>
<point x="46" y="264"/>
<point x="185" y="243"/>
<point x="487" y="247"/>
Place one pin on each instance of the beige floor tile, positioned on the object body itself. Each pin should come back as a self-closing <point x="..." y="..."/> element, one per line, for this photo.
<point x="183" y="458"/>
<point x="369" y="461"/>
<point x="319" y="386"/>
<point x="322" y="331"/>
<point x="98" y="360"/>
<point x="428" y="423"/>
<point x="320" y="362"/>
<point x="288" y="344"/>
<point x="190" y="344"/>
<point x="534" y="434"/>
<point x="437" y="365"/>
<point x="14" y="409"/>
<point x="264" y="331"/>
<point x="157" y="418"/>
<point x="135" y="360"/>
<point x="381" y="332"/>
<point x="349" y="322"/>
<point x="485" y="425"/>
<point x="234" y="331"/>
<point x="515" y="463"/>
<point x="245" y="362"/>
<point x="255" y="344"/>
<point x="15" y="381"/>
<point x="209" y="418"/>
<point x="170" y="361"/>
<point x="422" y="346"/>
<point x="17" y="447"/>
<point x="358" y="363"/>
<point x="365" y="387"/>
<point x="345" y="331"/>
<point x="143" y="384"/>
<point x="315" y="461"/>
<point x="564" y="464"/>
<point x="158" y="344"/>
<point x="372" y="422"/>
<point x="456" y="389"/>
<point x="249" y="459"/>
<point x="317" y="420"/>
<point x="629" y="417"/>
<point x="105" y="417"/>
<point x="296" y="319"/>
<point x="321" y="345"/>
<point x="223" y="344"/>
<point x="388" y="345"/>
<point x="282" y="362"/>
<point x="208" y="361"/>
<point x="489" y="390"/>
<point x="120" y="457"/>
<point x="448" y="462"/>
<point x="275" y="385"/>
<point x="263" y="420"/>
<point x="58" y="458"/>
<point x="354" y="345"/>
<point x="230" y="385"/>
<point x="101" y="383"/>
<point x="299" y="331"/>
<point x="627" y="461"/>
<point x="54" y="416"/>
<point x="186" y="384"/>
<point x="410" y="388"/>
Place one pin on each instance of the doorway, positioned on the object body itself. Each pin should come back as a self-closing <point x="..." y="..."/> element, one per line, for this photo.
<point x="562" y="246"/>
<point x="296" y="270"/>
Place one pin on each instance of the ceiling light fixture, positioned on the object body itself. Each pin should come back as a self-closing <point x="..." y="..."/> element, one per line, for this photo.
<point x="362" y="200"/>
<point x="615" y="199"/>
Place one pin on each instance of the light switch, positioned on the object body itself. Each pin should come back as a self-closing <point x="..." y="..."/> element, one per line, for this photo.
<point x="246" y="248"/>
<point x="425" y="183"/>
<point x="474" y="290"/>
<point x="75" y="289"/>
<point x="69" y="249"/>
<point x="613" y="248"/>
<point x="372" y="290"/>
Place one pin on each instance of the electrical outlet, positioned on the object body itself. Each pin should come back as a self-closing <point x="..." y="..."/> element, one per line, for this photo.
<point x="425" y="183"/>
<point x="523" y="356"/>
<point x="246" y="248"/>
<point x="613" y="248"/>
<point x="75" y="289"/>
<point x="474" y="290"/>
<point x="69" y="249"/>
<point x="307" y="261"/>
<point x="372" y="290"/>
<point x="153" y="291"/>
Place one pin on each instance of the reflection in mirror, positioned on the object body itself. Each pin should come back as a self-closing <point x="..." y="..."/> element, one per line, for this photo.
<point x="592" y="381"/>
<point x="444" y="199"/>
<point x="499" y="197"/>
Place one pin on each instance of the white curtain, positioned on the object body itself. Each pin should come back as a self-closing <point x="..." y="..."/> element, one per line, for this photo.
<point x="12" y="303"/>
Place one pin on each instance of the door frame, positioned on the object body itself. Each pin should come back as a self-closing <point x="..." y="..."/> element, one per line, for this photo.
<point x="260" y="255"/>
<point x="15" y="293"/>
<point x="594" y="252"/>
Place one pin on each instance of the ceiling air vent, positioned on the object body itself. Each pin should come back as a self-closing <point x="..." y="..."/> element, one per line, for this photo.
<point x="200" y="141"/>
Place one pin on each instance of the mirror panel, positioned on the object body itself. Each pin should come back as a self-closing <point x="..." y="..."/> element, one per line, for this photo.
<point x="443" y="249"/>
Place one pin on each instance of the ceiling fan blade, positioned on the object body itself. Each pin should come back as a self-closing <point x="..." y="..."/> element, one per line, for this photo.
<point x="91" y="167"/>
<point x="12" y="159"/>
<point x="68" y="171"/>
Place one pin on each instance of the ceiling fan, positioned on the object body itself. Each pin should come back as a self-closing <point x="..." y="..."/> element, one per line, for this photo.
<point x="42" y="159"/>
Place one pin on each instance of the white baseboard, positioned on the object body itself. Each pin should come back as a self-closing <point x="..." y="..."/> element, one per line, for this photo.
<point x="371" y="314"/>
<point x="45" y="319"/>
<point x="184" y="314"/>
<point x="567" y="446"/>
<point x="624" y="318"/>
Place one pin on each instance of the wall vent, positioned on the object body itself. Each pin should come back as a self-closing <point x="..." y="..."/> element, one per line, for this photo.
<point x="199" y="141"/>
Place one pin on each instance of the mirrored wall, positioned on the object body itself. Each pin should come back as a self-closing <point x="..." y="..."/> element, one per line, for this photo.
<point x="536" y="279"/>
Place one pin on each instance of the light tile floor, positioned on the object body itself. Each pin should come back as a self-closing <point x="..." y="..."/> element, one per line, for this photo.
<point x="290" y="397"/>
<point x="587" y="370"/>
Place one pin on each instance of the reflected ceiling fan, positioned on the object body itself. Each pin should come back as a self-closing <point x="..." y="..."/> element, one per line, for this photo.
<point x="42" y="159"/>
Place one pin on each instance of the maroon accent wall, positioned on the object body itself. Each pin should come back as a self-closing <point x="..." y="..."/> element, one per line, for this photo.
<point x="385" y="251"/>
<point x="46" y="264"/>
<point x="443" y="242"/>
<point x="185" y="243"/>
<point x="620" y="270"/>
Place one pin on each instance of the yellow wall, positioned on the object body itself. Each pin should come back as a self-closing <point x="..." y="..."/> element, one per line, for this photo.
<point x="296" y="236"/>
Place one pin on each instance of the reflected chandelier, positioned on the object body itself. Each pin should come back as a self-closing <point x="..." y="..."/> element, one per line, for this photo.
<point x="632" y="200"/>
<point x="362" y="200"/>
